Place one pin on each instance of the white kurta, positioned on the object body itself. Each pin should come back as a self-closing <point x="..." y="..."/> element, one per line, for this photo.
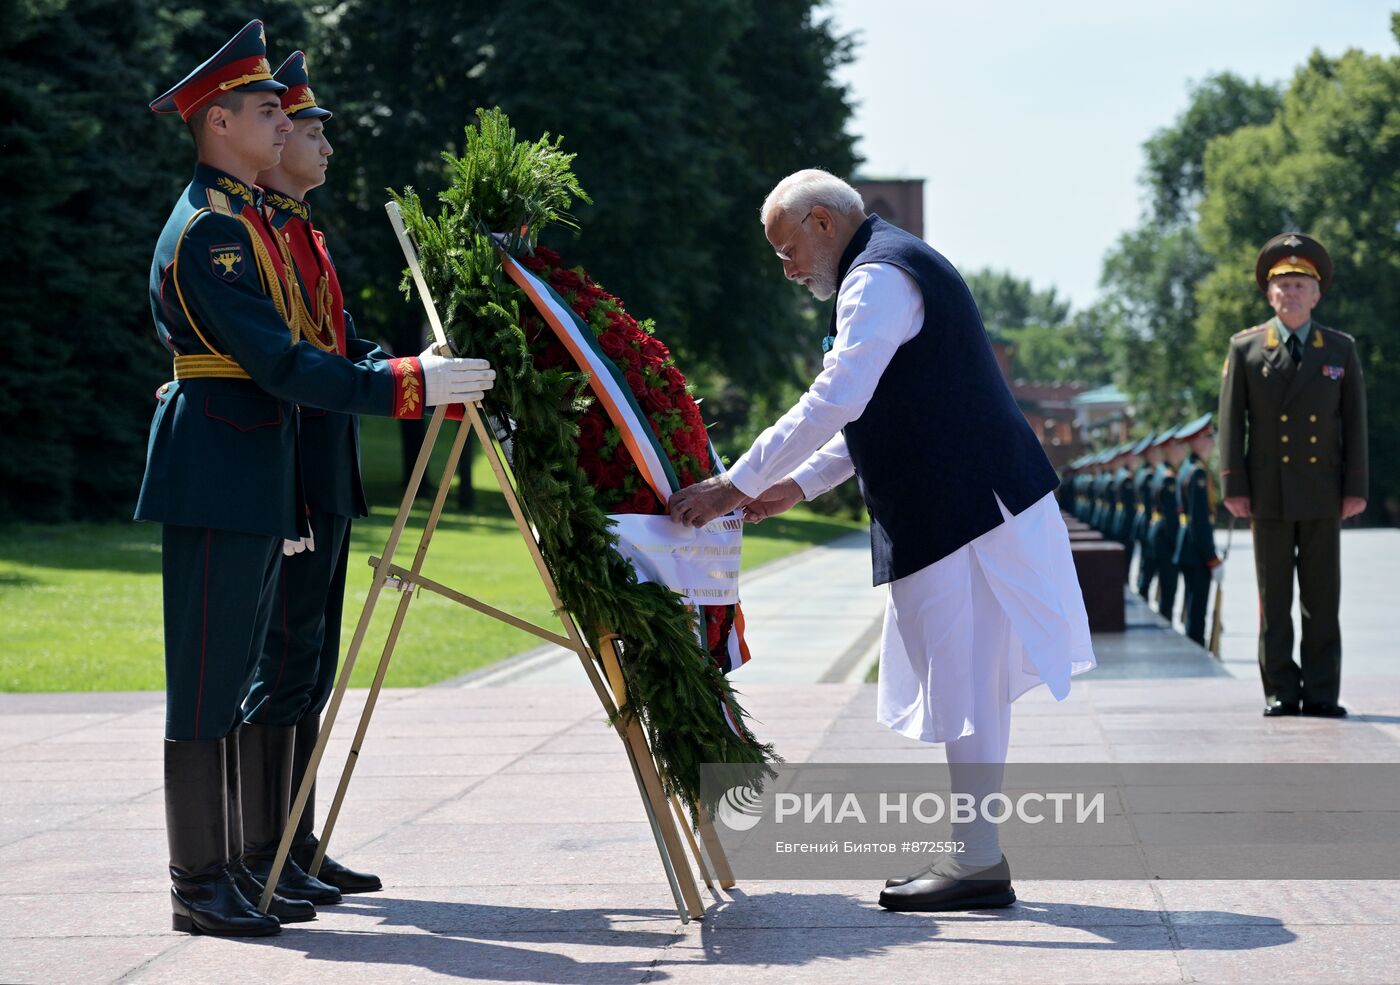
<point x="1010" y="595"/>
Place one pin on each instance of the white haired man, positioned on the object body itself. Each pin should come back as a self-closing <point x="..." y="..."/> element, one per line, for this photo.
<point x="983" y="600"/>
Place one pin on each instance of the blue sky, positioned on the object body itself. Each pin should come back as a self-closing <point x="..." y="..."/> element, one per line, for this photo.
<point x="1027" y="119"/>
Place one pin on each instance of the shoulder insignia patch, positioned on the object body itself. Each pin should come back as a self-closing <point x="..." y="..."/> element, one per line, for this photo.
<point x="219" y="203"/>
<point x="1250" y="331"/>
<point x="226" y="260"/>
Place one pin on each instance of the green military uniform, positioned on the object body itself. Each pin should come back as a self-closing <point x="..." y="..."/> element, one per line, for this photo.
<point x="1142" y="520"/>
<point x="1294" y="441"/>
<point x="296" y="673"/>
<point x="1195" y="542"/>
<point x="1163" y="525"/>
<point x="1125" y="513"/>
<point x="223" y="476"/>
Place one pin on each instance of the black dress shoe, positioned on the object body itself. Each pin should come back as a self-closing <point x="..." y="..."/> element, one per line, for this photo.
<point x="342" y="877"/>
<point x="986" y="889"/>
<point x="1277" y="709"/>
<point x="1324" y="709"/>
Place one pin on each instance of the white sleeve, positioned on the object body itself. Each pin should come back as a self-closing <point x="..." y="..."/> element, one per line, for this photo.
<point x="825" y="470"/>
<point x="878" y="310"/>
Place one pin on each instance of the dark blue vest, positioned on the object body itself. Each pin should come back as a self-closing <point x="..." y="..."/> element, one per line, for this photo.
<point x="942" y="437"/>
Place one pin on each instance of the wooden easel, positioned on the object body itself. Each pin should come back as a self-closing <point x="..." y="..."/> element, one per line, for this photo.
<point x="667" y="817"/>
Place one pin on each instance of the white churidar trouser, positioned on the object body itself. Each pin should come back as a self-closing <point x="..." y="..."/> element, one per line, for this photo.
<point x="970" y="633"/>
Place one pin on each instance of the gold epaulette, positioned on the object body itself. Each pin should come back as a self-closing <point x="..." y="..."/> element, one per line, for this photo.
<point x="208" y="367"/>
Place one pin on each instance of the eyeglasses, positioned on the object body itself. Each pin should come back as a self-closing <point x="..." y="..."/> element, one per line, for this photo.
<point x="783" y="253"/>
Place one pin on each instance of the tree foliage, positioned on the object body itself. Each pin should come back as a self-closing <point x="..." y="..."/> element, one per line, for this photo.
<point x="683" y="116"/>
<point x="1151" y="275"/>
<point x="1328" y="164"/>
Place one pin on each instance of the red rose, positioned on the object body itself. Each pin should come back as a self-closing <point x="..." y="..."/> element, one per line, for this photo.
<point x="554" y="356"/>
<point x="613" y="344"/>
<point x="652" y="362"/>
<point x="673" y="377"/>
<point x="686" y="477"/>
<point x="656" y="400"/>
<point x="534" y="263"/>
<point x="565" y="281"/>
<point x="592" y="466"/>
<point x="622" y="321"/>
<point x="547" y="255"/>
<point x="590" y="432"/>
<point x="613" y="475"/>
<point x="642" y="501"/>
<point x="622" y="457"/>
<point x="635" y="382"/>
<point x="652" y="347"/>
<point x="631" y="358"/>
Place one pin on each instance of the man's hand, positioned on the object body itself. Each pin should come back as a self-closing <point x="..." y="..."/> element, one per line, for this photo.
<point x="1238" y="506"/>
<point x="1217" y="573"/>
<point x="1352" y="506"/>
<point x="697" y="505"/>
<point x="454" y="381"/>
<point x="777" y="498"/>
<point x="290" y="547"/>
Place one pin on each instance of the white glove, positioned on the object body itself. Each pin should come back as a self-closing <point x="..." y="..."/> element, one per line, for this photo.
<point x="1217" y="573"/>
<point x="290" y="547"/>
<point x="454" y="381"/>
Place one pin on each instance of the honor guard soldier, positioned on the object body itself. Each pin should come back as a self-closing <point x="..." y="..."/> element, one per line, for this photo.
<point x="223" y="473"/>
<point x="1149" y="457"/>
<point x="1165" y="520"/>
<point x="295" y="676"/>
<point x="1294" y="462"/>
<point x="1103" y="504"/>
<point x="1195" y="541"/>
<point x="1125" y="505"/>
<point x="1083" y="483"/>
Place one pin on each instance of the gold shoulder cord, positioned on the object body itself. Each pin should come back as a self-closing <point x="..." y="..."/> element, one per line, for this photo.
<point x="304" y="326"/>
<point x="298" y="320"/>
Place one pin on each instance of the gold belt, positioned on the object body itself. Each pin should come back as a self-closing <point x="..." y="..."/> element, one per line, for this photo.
<point x="208" y="367"/>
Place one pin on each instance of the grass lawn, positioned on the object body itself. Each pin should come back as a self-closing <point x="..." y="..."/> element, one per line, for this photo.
<point x="82" y="608"/>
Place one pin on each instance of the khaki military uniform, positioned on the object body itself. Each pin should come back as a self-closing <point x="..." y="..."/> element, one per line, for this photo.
<point x="1293" y="439"/>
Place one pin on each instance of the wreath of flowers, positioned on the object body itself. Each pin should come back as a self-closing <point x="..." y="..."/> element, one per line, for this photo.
<point x="570" y="467"/>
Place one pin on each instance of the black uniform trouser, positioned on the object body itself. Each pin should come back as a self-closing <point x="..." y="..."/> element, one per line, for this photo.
<point x="218" y="591"/>
<point x="1196" y="579"/>
<point x="296" y="672"/>
<point x="1313" y="548"/>
<point x="1147" y="569"/>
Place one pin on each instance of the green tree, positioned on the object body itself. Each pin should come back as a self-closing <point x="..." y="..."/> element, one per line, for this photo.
<point x="1151" y="275"/>
<point x="1006" y="301"/>
<point x="1328" y="163"/>
<point x="90" y="174"/>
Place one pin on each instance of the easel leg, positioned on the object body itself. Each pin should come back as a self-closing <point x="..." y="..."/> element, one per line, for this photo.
<point x="631" y="731"/>
<point x="718" y="859"/>
<point x="381" y="574"/>
<point x="449" y="470"/>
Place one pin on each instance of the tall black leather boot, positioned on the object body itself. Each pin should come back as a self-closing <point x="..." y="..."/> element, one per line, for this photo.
<point x="285" y="910"/>
<point x="304" y="846"/>
<point x="266" y="753"/>
<point x="203" y="896"/>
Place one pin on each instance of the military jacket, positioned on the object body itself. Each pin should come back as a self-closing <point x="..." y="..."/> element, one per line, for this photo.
<point x="330" y="441"/>
<point x="1142" y="482"/>
<point x="1293" y="439"/>
<point x="1195" y="541"/>
<point x="1164" y="521"/>
<point x="223" y="444"/>
<point x="1125" y="504"/>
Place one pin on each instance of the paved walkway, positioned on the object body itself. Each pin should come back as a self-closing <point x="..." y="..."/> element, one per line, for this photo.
<point x="514" y="848"/>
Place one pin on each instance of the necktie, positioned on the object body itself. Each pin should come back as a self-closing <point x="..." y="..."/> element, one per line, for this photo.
<point x="1295" y="349"/>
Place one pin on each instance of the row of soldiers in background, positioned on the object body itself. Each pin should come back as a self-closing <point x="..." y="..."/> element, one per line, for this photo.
<point x="1156" y="497"/>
